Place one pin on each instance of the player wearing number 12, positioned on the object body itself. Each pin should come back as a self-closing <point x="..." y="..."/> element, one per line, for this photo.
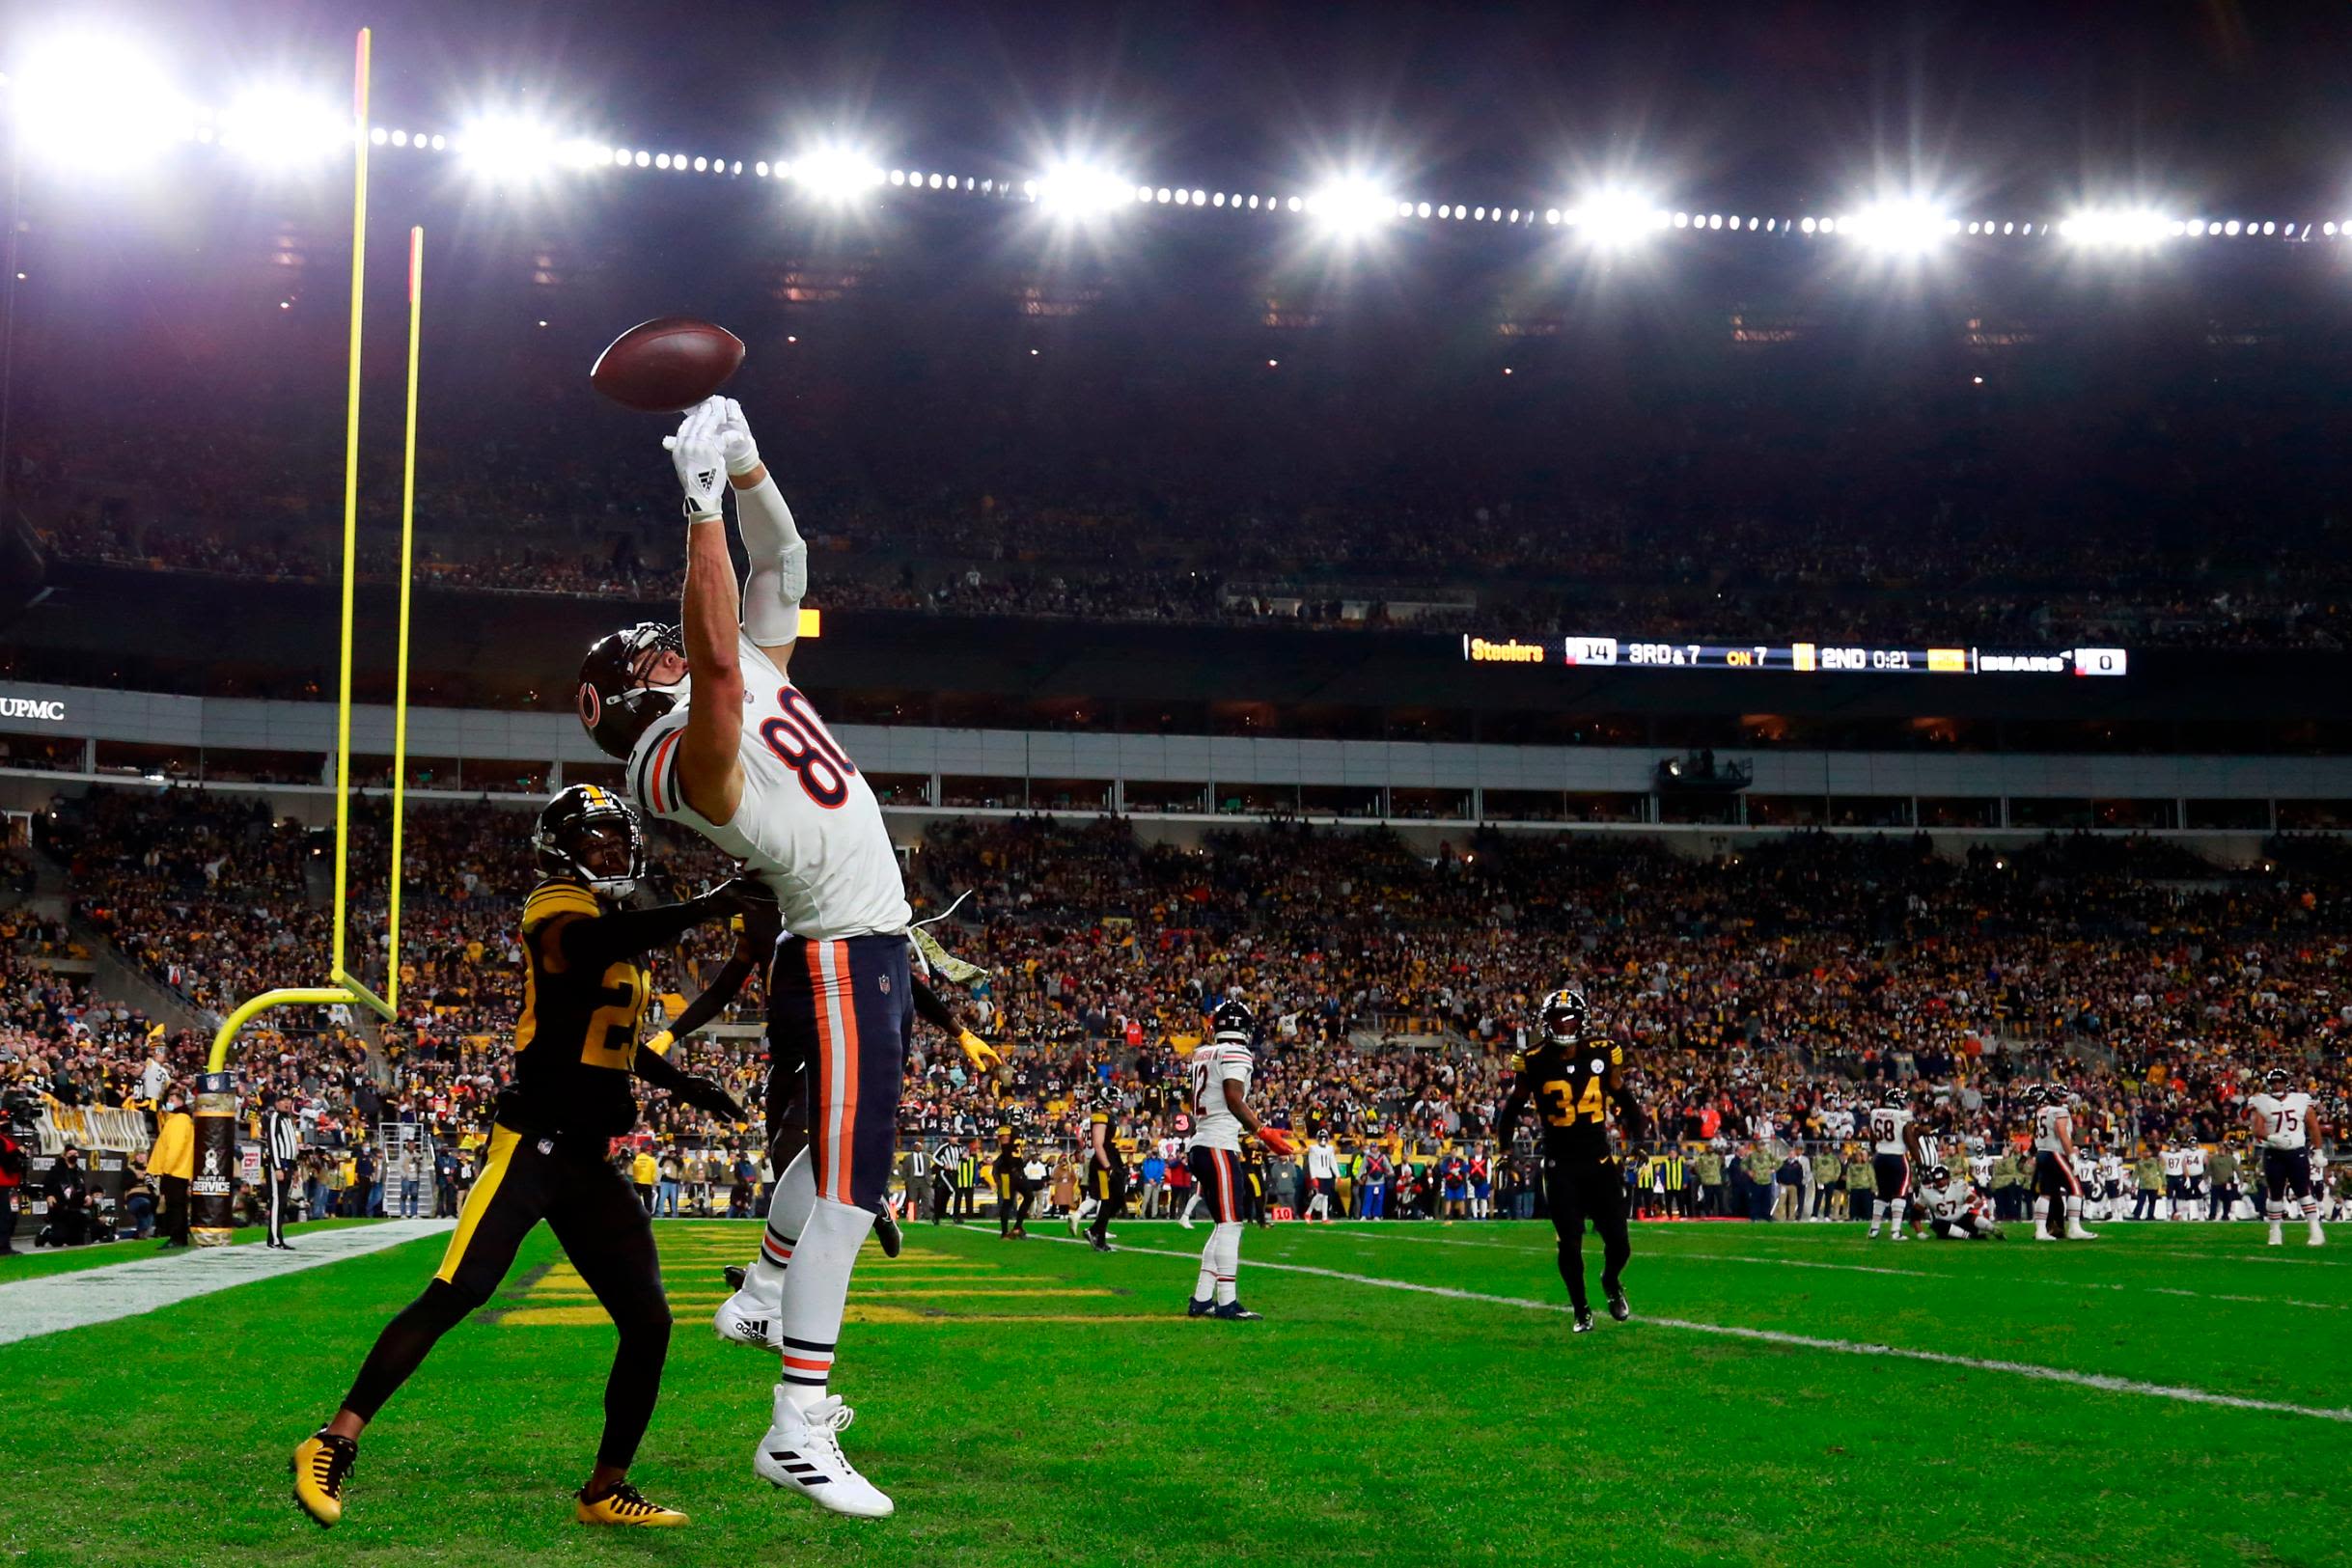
<point x="575" y="1052"/>
<point x="1574" y="1083"/>
<point x="717" y="738"/>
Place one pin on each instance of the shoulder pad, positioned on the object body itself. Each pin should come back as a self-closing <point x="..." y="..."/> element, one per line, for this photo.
<point x="653" y="768"/>
<point x="1518" y="1061"/>
<point x="552" y="898"/>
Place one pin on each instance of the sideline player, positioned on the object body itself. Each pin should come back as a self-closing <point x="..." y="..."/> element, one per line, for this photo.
<point x="2054" y="1178"/>
<point x="1220" y="1070"/>
<point x="1106" y="1171"/>
<point x="1575" y="1082"/>
<point x="1894" y="1147"/>
<point x="2282" y="1118"/>
<point x="1954" y="1210"/>
<point x="575" y="1049"/>
<point x="715" y="736"/>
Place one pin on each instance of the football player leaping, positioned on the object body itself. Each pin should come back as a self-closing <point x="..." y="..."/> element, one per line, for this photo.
<point x="2282" y="1118"/>
<point x="716" y="736"/>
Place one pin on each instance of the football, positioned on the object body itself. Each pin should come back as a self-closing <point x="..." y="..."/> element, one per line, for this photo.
<point x="662" y="365"/>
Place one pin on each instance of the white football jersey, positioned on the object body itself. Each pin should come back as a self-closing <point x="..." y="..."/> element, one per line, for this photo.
<point x="1980" y="1169"/>
<point x="2193" y="1161"/>
<point x="2047" y="1121"/>
<point x="1323" y="1162"/>
<point x="2175" y="1163"/>
<point x="808" y="827"/>
<point x="2085" y="1167"/>
<point x="1222" y="1059"/>
<point x="1948" y="1203"/>
<point x="2286" y="1118"/>
<point x="1887" y="1129"/>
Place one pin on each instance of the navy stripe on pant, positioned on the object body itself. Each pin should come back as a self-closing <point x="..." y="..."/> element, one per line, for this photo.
<point x="845" y="1007"/>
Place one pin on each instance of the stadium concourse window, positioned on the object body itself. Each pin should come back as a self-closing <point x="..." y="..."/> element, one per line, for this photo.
<point x="2311" y="737"/>
<point x="1516" y="727"/>
<point x="1870" y="811"/>
<point x="1159" y="797"/>
<point x="1429" y="805"/>
<point x="222" y="766"/>
<point x="1710" y="809"/>
<point x="890" y="788"/>
<point x="1958" y="810"/>
<point x="2131" y="737"/>
<point x="1322" y="721"/>
<point x="2228" y="815"/>
<point x="1244" y="719"/>
<point x="1524" y="806"/>
<point x="122" y="756"/>
<point x="873" y="707"/>
<point x="1091" y="795"/>
<point x="1162" y="718"/>
<point x="1257" y="800"/>
<point x="432" y="773"/>
<point x="983" y="793"/>
<point x="503" y="778"/>
<point x="1071" y="713"/>
<point x="2142" y="815"/>
<point x="1788" y="811"/>
<point x="1607" y="807"/>
<point x="2315" y="815"/>
<point x="59" y="753"/>
<point x="612" y="776"/>
<point x="1432" y="723"/>
<point x="1360" y="801"/>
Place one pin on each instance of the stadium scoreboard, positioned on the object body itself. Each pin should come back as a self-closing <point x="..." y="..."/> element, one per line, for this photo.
<point x="1798" y="659"/>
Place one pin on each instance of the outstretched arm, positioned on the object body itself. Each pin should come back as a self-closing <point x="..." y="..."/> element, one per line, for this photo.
<point x="709" y="768"/>
<point x="778" y="556"/>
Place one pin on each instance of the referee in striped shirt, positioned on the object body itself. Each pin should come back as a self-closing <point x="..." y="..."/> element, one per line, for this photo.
<point x="281" y="1148"/>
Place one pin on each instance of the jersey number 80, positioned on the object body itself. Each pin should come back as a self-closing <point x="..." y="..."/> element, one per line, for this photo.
<point x="800" y="742"/>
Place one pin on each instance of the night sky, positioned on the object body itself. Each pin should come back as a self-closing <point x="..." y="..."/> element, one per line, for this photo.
<point x="1794" y="105"/>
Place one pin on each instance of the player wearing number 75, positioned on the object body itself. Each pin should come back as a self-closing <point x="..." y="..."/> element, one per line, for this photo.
<point x="717" y="737"/>
<point x="1575" y="1082"/>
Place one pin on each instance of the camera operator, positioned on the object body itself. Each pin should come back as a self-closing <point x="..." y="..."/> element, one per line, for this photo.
<point x="68" y="1191"/>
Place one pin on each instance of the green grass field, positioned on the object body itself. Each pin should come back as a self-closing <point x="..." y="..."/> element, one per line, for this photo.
<point x="1035" y="1402"/>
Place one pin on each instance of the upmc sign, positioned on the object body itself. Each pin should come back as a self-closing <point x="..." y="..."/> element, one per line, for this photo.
<point x="51" y="709"/>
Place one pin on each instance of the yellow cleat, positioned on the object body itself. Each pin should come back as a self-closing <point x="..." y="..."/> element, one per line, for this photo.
<point x="321" y="1466"/>
<point x="626" y="1506"/>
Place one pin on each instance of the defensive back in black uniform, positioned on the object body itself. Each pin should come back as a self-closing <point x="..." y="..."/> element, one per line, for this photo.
<point x="575" y="1056"/>
<point x="1575" y="1081"/>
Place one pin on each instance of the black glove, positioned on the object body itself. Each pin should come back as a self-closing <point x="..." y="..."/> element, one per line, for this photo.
<point x="704" y="1094"/>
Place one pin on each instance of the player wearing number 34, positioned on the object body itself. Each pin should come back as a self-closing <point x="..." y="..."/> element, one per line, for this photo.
<point x="717" y="737"/>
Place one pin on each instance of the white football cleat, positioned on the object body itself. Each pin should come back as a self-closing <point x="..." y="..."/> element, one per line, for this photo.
<point x="1185" y="1220"/>
<point x="802" y="1452"/>
<point x="2276" y="1238"/>
<point x="747" y="1320"/>
<point x="2076" y="1232"/>
<point x="2041" y="1232"/>
<point x="2319" y="1237"/>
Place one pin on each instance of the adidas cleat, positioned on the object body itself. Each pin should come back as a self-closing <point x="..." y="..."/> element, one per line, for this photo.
<point x="322" y="1464"/>
<point x="1235" y="1312"/>
<point x="735" y="1274"/>
<point x="748" y="1321"/>
<point x="802" y="1452"/>
<point x="624" y="1506"/>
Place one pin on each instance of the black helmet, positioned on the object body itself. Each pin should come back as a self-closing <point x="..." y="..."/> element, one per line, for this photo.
<point x="1564" y="1016"/>
<point x="616" y="706"/>
<point x="2279" y="1080"/>
<point x="1896" y="1100"/>
<point x="1940" y="1175"/>
<point x="562" y="822"/>
<point x="1233" y="1017"/>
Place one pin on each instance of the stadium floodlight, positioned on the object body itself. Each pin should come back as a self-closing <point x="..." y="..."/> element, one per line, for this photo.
<point x="98" y="102"/>
<point x="837" y="174"/>
<point x="1612" y="218"/>
<point x="1078" y="191"/>
<point x="512" y="148"/>
<point x="283" y="128"/>
<point x="2116" y="228"/>
<point x="1903" y="228"/>
<point x="1350" y="208"/>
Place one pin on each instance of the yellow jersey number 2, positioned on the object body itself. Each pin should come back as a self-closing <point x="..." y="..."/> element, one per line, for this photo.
<point x="611" y="1037"/>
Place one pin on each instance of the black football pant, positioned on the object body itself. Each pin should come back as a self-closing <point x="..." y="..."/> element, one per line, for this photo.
<point x="175" y="1225"/>
<point x="1577" y="1188"/>
<point x="1111" y="1199"/>
<point x="281" y="1190"/>
<point x="943" y="1198"/>
<point x="602" y="1228"/>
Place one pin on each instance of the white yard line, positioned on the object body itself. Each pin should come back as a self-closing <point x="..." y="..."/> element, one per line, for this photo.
<point x="56" y="1302"/>
<point x="1803" y="1341"/>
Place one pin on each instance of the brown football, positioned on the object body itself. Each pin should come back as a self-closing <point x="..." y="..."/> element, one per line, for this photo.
<point x="662" y="365"/>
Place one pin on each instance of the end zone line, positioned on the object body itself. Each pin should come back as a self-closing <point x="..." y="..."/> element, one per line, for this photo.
<point x="2100" y="1381"/>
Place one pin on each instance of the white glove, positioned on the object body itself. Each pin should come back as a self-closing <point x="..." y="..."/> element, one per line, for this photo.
<point x="698" y="451"/>
<point x="735" y="439"/>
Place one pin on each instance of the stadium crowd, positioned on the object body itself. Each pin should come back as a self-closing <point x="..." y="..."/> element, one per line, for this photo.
<point x="1762" y="996"/>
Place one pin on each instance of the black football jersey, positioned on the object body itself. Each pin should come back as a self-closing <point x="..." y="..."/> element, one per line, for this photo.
<point x="1572" y="1087"/>
<point x="575" y="1042"/>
